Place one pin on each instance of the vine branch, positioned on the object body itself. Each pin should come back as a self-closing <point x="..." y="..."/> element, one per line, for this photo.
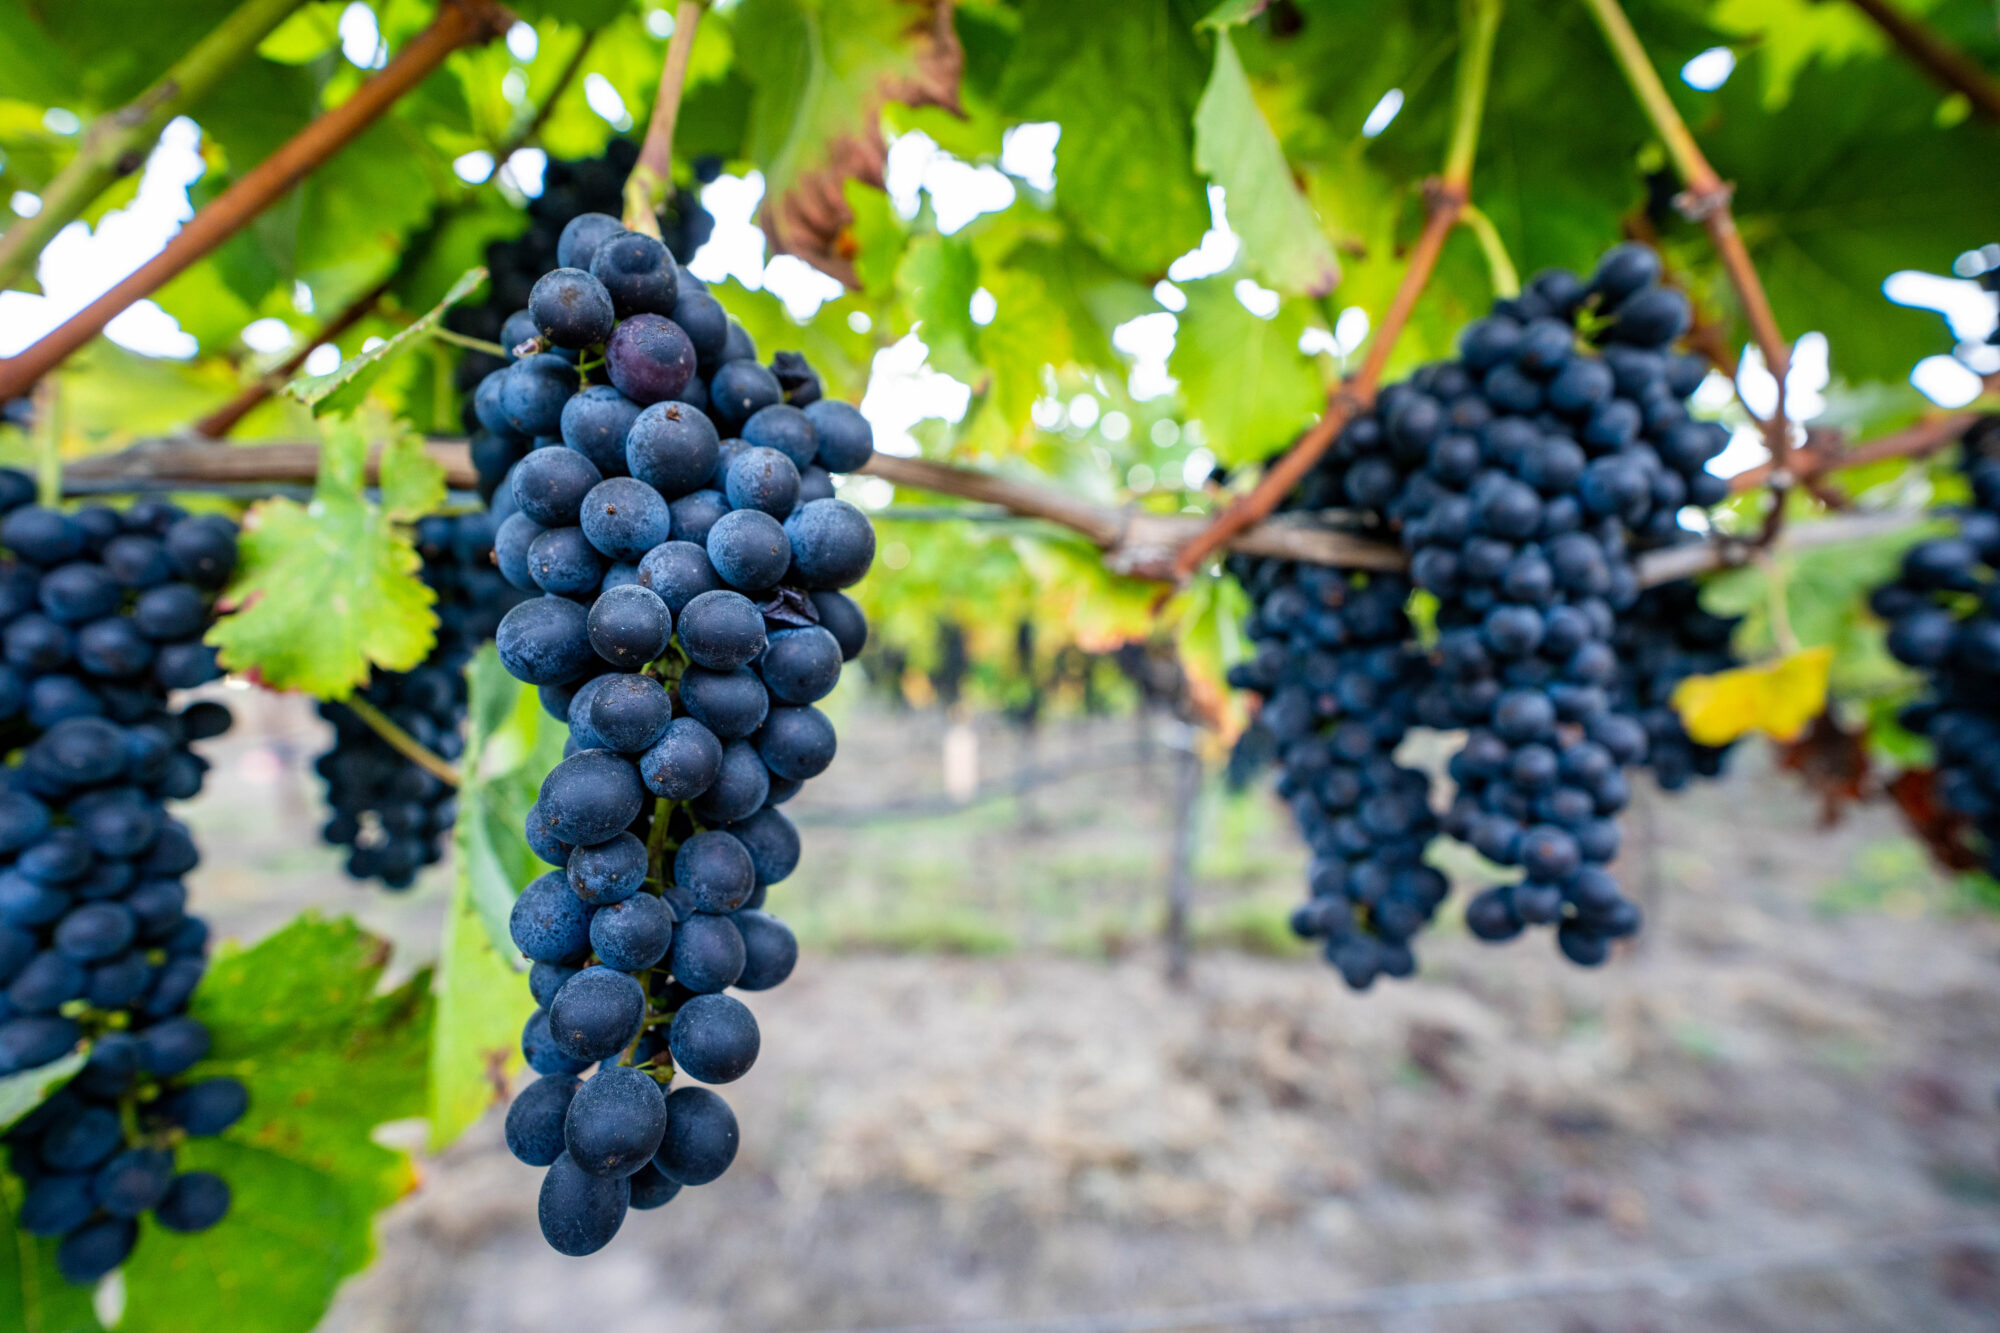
<point x="402" y="742"/>
<point x="226" y="418"/>
<point x="1706" y="200"/>
<point x="1823" y="452"/>
<point x="1134" y="542"/>
<point x="1946" y="65"/>
<point x="116" y="143"/>
<point x="1444" y="201"/>
<point x="458" y="23"/>
<point x="652" y="178"/>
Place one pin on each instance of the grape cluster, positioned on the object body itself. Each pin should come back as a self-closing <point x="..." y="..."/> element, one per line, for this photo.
<point x="1663" y="639"/>
<point x="1520" y="478"/>
<point x="393" y="815"/>
<point x="1341" y="681"/>
<point x="1943" y="611"/>
<point x="677" y="516"/>
<point x="595" y="185"/>
<point x="101" y="615"/>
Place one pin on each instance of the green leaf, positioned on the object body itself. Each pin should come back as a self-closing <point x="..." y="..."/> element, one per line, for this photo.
<point x="1232" y="13"/>
<point x="936" y="280"/>
<point x="31" y="65"/>
<point x="306" y="35"/>
<point x="326" y="1060"/>
<point x="412" y="481"/>
<point x="822" y="71"/>
<point x="511" y="744"/>
<point x="1792" y="34"/>
<point x="322" y="591"/>
<point x="1851" y="181"/>
<point x="23" y="1092"/>
<point x="342" y="389"/>
<point x="1282" y="240"/>
<point x="1122" y="77"/>
<point x="1242" y="377"/>
<point x="585" y="13"/>
<point x="482" y="1001"/>
<point x="483" y="998"/>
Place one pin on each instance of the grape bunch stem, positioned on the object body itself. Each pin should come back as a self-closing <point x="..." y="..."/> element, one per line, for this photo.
<point x="459" y="23"/>
<point x="402" y="742"/>
<point x="1706" y="201"/>
<point x="1445" y="198"/>
<point x="652" y="178"/>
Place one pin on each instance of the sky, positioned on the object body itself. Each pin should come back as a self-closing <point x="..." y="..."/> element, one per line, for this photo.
<point x="80" y="264"/>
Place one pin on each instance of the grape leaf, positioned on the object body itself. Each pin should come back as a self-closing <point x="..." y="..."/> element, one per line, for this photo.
<point x="327" y="1059"/>
<point x="307" y="35"/>
<point x="482" y="996"/>
<point x="1791" y="34"/>
<point x="1230" y="13"/>
<point x="1121" y="77"/>
<point x="482" y="1001"/>
<point x="1242" y="377"/>
<point x="936" y="280"/>
<point x="23" y="1092"/>
<point x="823" y="71"/>
<point x="584" y="13"/>
<point x="511" y="744"/>
<point x="1851" y="181"/>
<point x="1282" y="239"/>
<point x="1777" y="698"/>
<point x="322" y="591"/>
<point x="31" y="65"/>
<point x="342" y="389"/>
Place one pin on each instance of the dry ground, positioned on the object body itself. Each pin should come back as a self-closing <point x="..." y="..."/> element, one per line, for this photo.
<point x="979" y="1100"/>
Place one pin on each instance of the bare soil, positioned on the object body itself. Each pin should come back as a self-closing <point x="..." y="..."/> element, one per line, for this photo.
<point x="979" y="1100"/>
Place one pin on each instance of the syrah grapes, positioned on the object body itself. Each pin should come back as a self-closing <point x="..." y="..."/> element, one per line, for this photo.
<point x="683" y="569"/>
<point x="102" y="616"/>
<point x="1520" y="479"/>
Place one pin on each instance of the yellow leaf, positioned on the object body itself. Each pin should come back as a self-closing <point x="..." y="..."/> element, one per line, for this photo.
<point x="1778" y="698"/>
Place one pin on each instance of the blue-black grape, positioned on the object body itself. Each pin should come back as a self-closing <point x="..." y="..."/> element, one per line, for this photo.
<point x="638" y="273"/>
<point x="1950" y="635"/>
<point x="789" y="431"/>
<point x="563" y="562"/>
<point x="580" y="1212"/>
<point x="615" y="1122"/>
<point x="597" y="1013"/>
<point x="763" y="479"/>
<point x="684" y="762"/>
<point x="571" y="308"/>
<point x="534" y="1129"/>
<point x="629" y="626"/>
<point x="752" y="551"/>
<point x="700" y="1137"/>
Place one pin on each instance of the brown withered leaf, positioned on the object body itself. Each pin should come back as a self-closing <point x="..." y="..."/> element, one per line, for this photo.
<point x="1833" y="763"/>
<point x="817" y="115"/>
<point x="1941" y="829"/>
